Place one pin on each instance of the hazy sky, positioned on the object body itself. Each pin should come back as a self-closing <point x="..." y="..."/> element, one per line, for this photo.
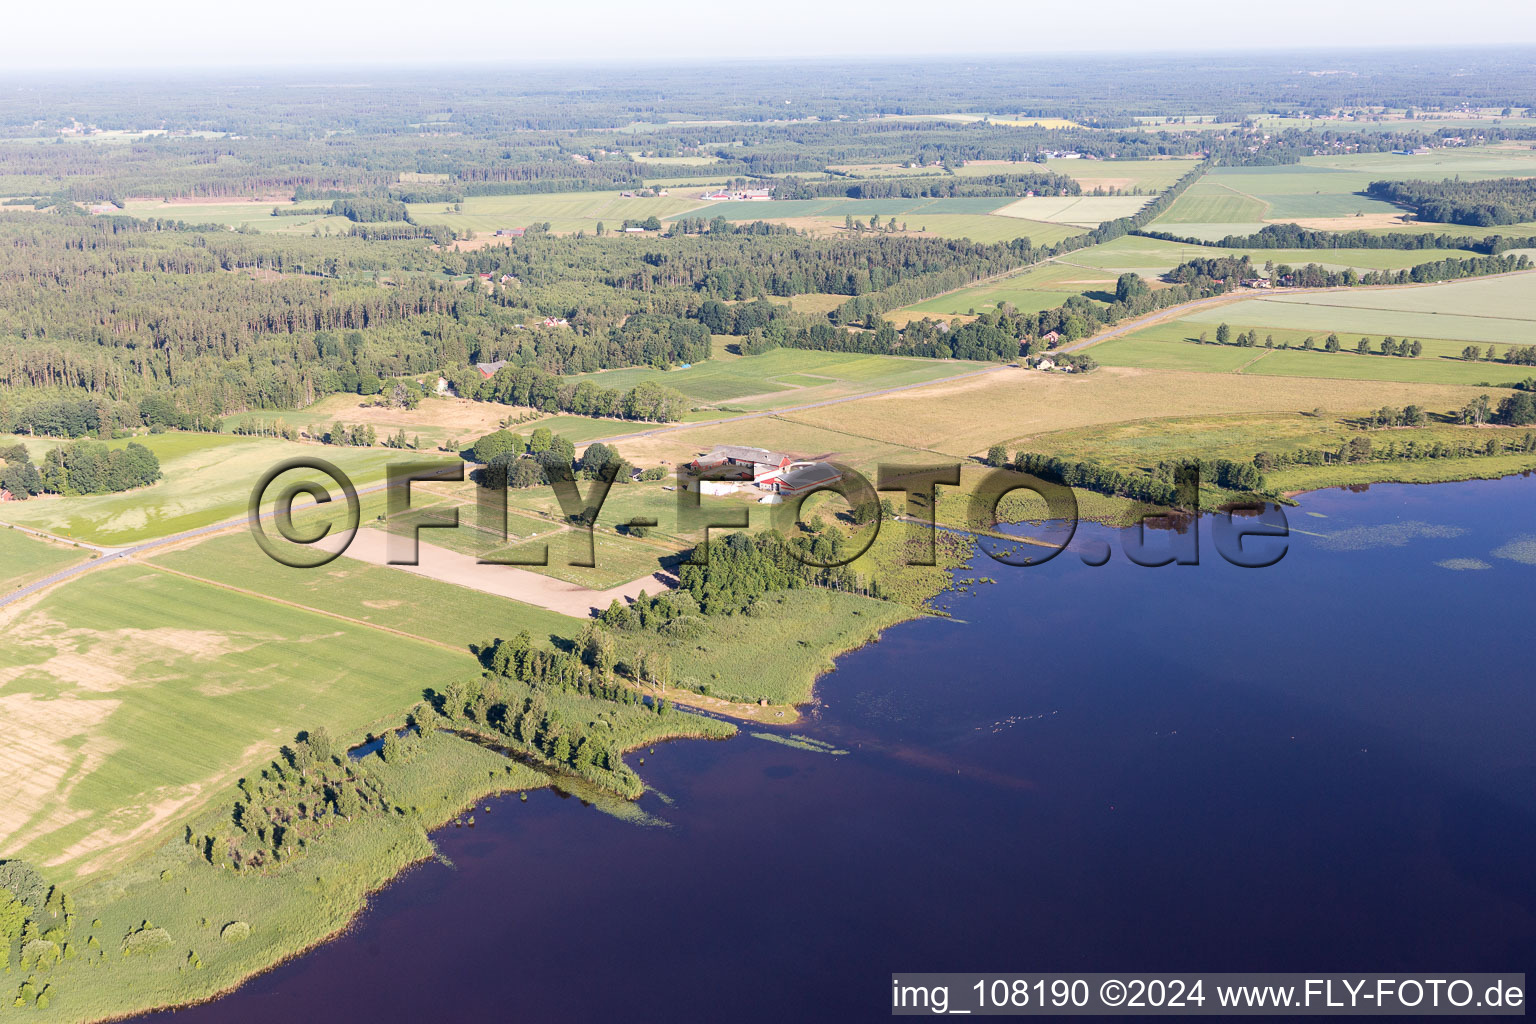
<point x="203" y="34"/>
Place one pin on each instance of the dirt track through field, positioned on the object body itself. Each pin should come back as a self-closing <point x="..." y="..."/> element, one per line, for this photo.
<point x="445" y="566"/>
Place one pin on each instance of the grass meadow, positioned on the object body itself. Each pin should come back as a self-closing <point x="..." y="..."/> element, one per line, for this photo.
<point x="784" y="639"/>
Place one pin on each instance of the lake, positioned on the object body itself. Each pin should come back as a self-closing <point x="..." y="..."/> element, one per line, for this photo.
<point x="1327" y="764"/>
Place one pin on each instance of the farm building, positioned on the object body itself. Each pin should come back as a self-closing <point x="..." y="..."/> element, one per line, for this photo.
<point x="802" y="478"/>
<point x="510" y="232"/>
<point x="732" y="461"/>
<point x="741" y="195"/>
<point x="1050" y="337"/>
<point x="6" y="495"/>
<point x="488" y="370"/>
<point x="770" y="471"/>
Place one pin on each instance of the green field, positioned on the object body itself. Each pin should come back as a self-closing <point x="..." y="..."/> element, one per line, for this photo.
<point x="1205" y="202"/>
<point x="1175" y="346"/>
<point x="985" y="227"/>
<point x="25" y="559"/>
<point x="1037" y="288"/>
<point x="247" y="215"/>
<point x="1147" y="175"/>
<point x="1082" y="211"/>
<point x="1153" y="256"/>
<point x="124" y="713"/>
<point x="1141" y="445"/>
<point x="374" y="594"/>
<point x="208" y="479"/>
<point x="1237" y="200"/>
<point x="781" y="377"/>
<point x="566" y="212"/>
<point x="1498" y="309"/>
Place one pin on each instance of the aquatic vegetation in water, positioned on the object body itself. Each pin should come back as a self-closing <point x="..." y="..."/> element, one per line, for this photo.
<point x="1387" y="535"/>
<point x="1521" y="549"/>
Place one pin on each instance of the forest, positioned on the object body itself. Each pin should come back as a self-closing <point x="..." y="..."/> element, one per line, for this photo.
<point x="1489" y="203"/>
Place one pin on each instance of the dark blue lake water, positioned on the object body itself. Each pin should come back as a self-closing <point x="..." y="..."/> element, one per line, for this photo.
<point x="1328" y="764"/>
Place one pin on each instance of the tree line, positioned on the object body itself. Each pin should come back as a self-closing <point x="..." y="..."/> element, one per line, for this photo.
<point x="80" y="467"/>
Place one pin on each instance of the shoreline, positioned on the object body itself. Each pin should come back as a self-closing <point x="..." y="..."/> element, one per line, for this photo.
<point x="441" y="819"/>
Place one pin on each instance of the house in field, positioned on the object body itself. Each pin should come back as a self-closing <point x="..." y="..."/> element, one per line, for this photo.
<point x="1051" y="337"/>
<point x="6" y="495"/>
<point x="510" y="232"/>
<point x="488" y="370"/>
<point x="1046" y="364"/>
